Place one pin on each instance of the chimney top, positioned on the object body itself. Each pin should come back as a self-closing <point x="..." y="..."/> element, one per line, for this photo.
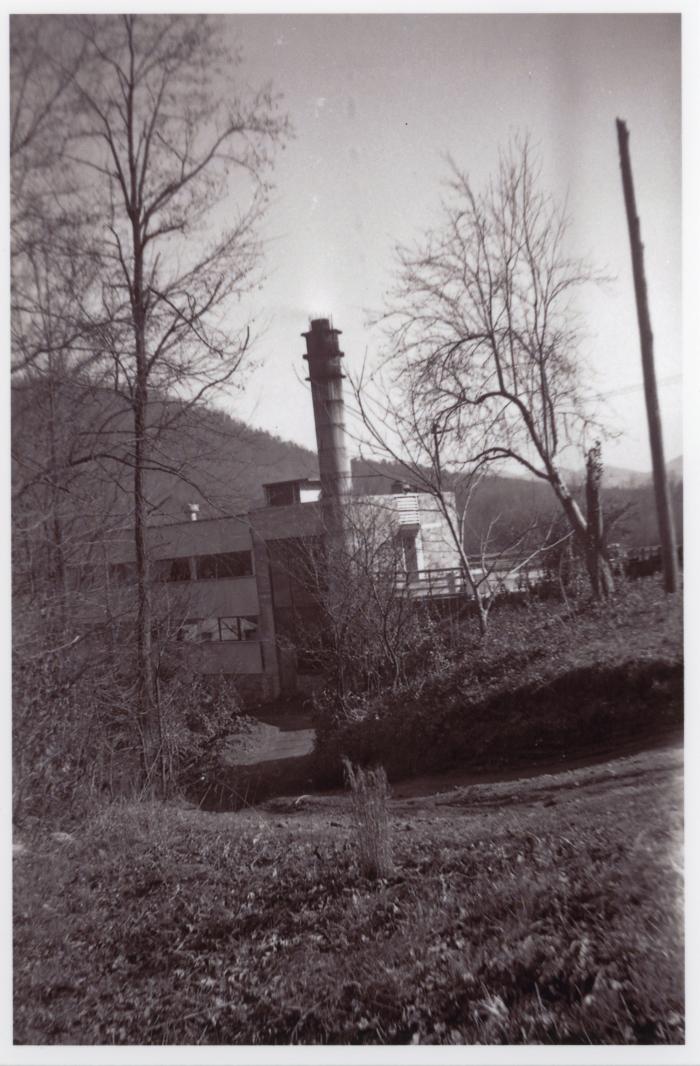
<point x="320" y="326"/>
<point x="322" y="349"/>
<point x="324" y="357"/>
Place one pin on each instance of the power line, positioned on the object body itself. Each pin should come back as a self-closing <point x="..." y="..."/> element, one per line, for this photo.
<point x="671" y="380"/>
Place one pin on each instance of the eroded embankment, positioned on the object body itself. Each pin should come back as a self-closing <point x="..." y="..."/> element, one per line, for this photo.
<point x="576" y="713"/>
<point x="584" y="713"/>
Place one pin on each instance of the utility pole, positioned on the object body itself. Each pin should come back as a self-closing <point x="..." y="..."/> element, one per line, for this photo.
<point x="646" y="338"/>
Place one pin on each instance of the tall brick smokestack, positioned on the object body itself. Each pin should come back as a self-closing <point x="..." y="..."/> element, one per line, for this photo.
<point x="326" y="377"/>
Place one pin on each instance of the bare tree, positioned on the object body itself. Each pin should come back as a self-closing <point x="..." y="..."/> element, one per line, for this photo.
<point x="166" y="139"/>
<point x="421" y="444"/>
<point x="44" y="60"/>
<point x="354" y="618"/>
<point x="59" y="515"/>
<point x="482" y="329"/>
<point x="594" y="517"/>
<point x="167" y="162"/>
<point x="52" y="271"/>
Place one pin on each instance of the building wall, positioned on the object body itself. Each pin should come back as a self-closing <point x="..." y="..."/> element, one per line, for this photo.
<point x="218" y="597"/>
<point x="292" y="520"/>
<point x="301" y="520"/>
<point x="270" y="654"/>
<point x="439" y="551"/>
<point x="254" y="662"/>
<point x="410" y="515"/>
<point x="205" y="536"/>
<point x="268" y="662"/>
<point x="242" y="657"/>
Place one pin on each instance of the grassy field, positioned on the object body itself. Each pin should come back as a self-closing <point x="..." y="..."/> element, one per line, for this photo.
<point x="537" y="910"/>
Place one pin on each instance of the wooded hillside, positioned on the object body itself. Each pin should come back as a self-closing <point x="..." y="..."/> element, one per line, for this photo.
<point x="220" y="463"/>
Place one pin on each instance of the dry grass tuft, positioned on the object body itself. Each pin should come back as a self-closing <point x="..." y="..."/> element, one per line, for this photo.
<point x="370" y="792"/>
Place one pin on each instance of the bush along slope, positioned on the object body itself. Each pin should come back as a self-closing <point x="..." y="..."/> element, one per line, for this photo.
<point x="546" y="683"/>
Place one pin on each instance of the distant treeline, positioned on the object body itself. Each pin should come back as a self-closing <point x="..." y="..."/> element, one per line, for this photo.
<point x="511" y="504"/>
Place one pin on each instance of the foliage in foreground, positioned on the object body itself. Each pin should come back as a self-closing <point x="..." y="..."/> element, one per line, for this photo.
<point x="75" y="732"/>
<point x="542" y="913"/>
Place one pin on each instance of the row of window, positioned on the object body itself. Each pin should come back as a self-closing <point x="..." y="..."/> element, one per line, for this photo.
<point x="192" y="568"/>
<point x="242" y="627"/>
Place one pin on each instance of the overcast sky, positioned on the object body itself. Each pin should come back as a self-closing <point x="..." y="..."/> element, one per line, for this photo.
<point x="378" y="100"/>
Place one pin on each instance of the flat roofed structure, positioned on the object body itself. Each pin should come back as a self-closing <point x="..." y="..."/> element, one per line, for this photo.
<point x="300" y="490"/>
<point x="227" y="586"/>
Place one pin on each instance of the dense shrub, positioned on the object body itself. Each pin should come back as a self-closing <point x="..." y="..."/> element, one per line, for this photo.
<point x="75" y="733"/>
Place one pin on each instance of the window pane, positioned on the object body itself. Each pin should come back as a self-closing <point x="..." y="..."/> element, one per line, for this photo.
<point x="209" y="629"/>
<point x="229" y="629"/>
<point x="189" y="630"/>
<point x="239" y="629"/>
<point x="410" y="553"/>
<point x="227" y="564"/>
<point x="198" y="630"/>
<point x="282" y="494"/>
<point x="249" y="627"/>
<point x="179" y="570"/>
<point x="172" y="569"/>
<point x="244" y="628"/>
<point x="122" y="573"/>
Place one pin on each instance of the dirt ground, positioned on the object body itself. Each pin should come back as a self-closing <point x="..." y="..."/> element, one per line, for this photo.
<point x="458" y="791"/>
<point x="537" y="907"/>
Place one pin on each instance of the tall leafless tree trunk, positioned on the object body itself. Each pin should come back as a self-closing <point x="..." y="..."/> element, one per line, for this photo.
<point x="165" y="149"/>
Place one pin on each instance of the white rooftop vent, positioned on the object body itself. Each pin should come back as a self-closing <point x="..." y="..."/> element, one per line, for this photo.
<point x="192" y="510"/>
<point x="407" y="505"/>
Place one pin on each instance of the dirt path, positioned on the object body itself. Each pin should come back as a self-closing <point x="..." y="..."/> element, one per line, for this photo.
<point x="276" y="762"/>
<point x="274" y="757"/>
<point x="268" y="743"/>
<point x="272" y="736"/>
<point x="448" y="795"/>
<point x="427" y="784"/>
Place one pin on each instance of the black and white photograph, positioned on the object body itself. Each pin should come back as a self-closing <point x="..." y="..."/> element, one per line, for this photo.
<point x="345" y="411"/>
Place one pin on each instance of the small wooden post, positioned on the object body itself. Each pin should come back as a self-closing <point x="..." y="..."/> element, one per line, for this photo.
<point x="646" y="337"/>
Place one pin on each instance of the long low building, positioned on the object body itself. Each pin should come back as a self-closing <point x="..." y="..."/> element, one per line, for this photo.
<point x="235" y="590"/>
